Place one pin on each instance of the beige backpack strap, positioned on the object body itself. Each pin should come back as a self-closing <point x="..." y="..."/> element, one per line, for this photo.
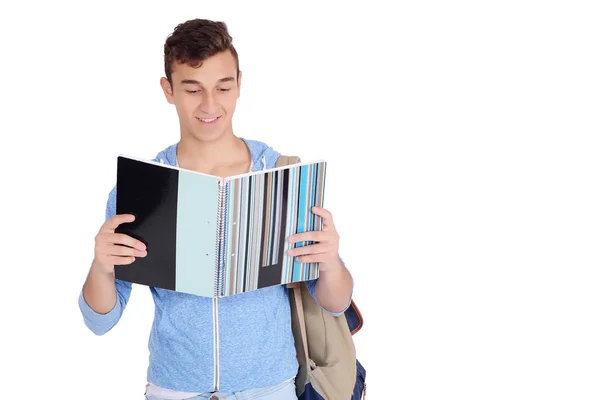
<point x="286" y="160"/>
<point x="302" y="324"/>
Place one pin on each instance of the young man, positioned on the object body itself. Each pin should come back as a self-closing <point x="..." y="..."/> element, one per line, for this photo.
<point x="202" y="347"/>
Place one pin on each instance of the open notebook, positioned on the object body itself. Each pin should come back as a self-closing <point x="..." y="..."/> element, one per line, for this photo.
<point x="213" y="236"/>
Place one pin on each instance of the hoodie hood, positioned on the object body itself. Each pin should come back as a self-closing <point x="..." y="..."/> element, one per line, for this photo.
<point x="263" y="156"/>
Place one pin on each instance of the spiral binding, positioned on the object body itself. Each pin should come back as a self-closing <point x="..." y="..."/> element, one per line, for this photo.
<point x="222" y="197"/>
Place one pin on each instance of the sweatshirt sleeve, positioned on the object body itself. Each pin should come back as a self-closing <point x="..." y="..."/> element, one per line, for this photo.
<point x="311" y="288"/>
<point x="98" y="323"/>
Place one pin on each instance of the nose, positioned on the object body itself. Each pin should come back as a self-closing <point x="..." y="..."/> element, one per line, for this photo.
<point x="208" y="103"/>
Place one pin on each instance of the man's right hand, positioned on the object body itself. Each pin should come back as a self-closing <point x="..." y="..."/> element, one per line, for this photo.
<point x="116" y="248"/>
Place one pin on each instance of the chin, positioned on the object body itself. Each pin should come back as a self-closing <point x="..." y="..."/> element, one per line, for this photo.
<point x="208" y="132"/>
<point x="208" y="135"/>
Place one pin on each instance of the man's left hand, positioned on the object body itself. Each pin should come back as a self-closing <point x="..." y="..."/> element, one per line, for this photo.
<point x="326" y="247"/>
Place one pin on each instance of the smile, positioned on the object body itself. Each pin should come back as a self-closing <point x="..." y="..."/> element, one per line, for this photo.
<point x="208" y="120"/>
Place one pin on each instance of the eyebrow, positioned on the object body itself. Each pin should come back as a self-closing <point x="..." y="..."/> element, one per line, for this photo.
<point x="195" y="82"/>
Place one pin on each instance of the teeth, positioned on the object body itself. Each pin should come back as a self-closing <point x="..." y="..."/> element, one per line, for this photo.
<point x="208" y="120"/>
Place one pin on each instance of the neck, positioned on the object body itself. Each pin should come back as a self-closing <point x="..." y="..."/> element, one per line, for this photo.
<point x="200" y="155"/>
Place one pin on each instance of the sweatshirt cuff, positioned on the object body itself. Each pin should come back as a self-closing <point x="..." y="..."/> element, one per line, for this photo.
<point x="96" y="322"/>
<point x="311" y="289"/>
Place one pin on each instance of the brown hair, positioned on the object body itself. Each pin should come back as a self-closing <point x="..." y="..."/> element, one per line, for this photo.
<point x="194" y="41"/>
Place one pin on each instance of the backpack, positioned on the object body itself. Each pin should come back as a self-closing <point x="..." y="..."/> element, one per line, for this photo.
<point x="329" y="369"/>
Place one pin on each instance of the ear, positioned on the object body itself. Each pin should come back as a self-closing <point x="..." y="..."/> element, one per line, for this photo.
<point x="239" y="82"/>
<point x="167" y="89"/>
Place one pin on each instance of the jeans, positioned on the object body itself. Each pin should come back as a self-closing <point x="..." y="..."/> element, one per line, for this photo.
<point x="282" y="391"/>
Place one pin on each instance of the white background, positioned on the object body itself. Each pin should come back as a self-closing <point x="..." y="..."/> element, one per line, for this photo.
<point x="464" y="180"/>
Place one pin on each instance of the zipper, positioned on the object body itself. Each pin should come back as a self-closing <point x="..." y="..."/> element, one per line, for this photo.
<point x="221" y="203"/>
<point x="216" y="341"/>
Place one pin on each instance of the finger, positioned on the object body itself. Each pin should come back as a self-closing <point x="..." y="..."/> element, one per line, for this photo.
<point x="120" y="250"/>
<point x="126" y="240"/>
<point x="312" y="236"/>
<point x="109" y="249"/>
<point x="313" y="258"/>
<point x="322" y="212"/>
<point x="113" y="222"/>
<point x="116" y="260"/>
<point x="326" y="217"/>
<point x="306" y="250"/>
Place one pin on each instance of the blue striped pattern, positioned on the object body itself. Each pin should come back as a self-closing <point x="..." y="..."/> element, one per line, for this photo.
<point x="259" y="222"/>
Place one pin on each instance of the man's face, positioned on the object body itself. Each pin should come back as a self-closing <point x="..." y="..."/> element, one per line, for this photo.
<point x="204" y="97"/>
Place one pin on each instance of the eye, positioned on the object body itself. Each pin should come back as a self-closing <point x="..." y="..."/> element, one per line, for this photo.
<point x="225" y="89"/>
<point x="193" y="91"/>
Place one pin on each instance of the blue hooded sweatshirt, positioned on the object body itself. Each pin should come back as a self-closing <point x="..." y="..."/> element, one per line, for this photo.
<point x="251" y="345"/>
